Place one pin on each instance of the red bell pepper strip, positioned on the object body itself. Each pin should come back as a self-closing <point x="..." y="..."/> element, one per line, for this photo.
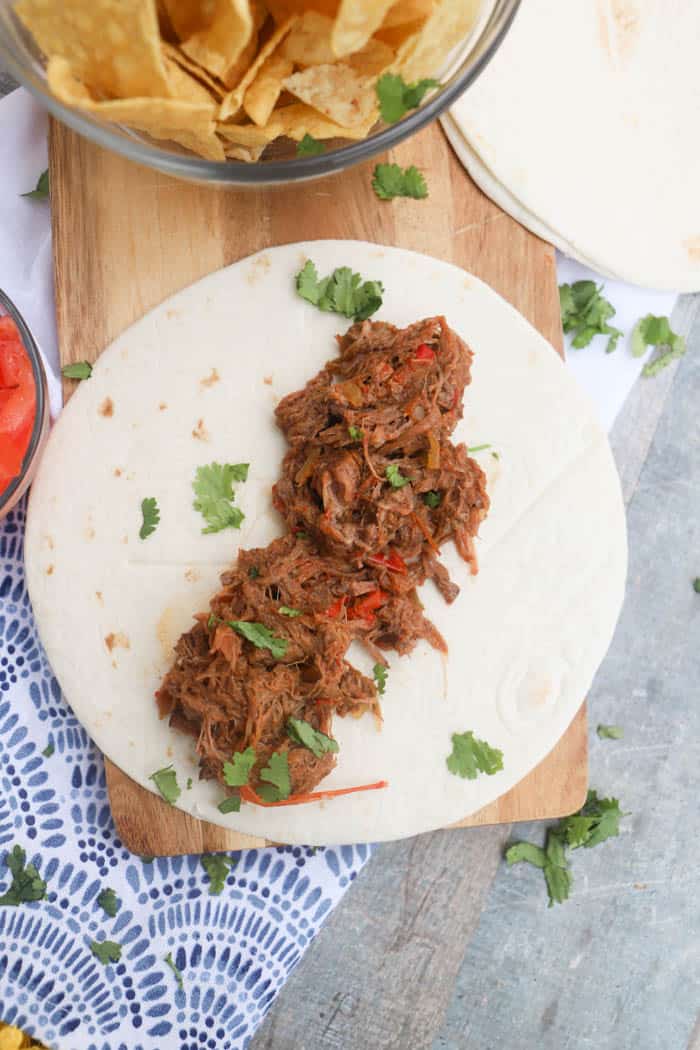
<point x="365" y="608"/>
<point x="248" y="795"/>
<point x="391" y="561"/>
<point x="424" y="353"/>
<point x="334" y="610"/>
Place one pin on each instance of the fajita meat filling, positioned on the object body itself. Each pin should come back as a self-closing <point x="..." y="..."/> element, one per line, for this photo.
<point x="370" y="489"/>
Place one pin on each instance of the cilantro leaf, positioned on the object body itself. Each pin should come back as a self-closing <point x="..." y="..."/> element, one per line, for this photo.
<point x="313" y="739"/>
<point x="380" y="673"/>
<point x="276" y="774"/>
<point x="109" y="902"/>
<point x="48" y="750"/>
<point x="213" y="621"/>
<point x="355" y="433"/>
<point x="432" y="499"/>
<point x="213" y="487"/>
<point x="526" y="851"/>
<point x="470" y="756"/>
<point x="27" y="885"/>
<point x="396" y="97"/>
<point x="168" y="960"/>
<point x="477" y="448"/>
<point x="559" y="881"/>
<point x="585" y="312"/>
<point x="696" y="584"/>
<point x="260" y="636"/>
<point x="230" y="804"/>
<point x="310" y="147"/>
<point x="253" y="572"/>
<point x="237" y="771"/>
<point x="343" y="292"/>
<point x="41" y="190"/>
<point x="395" y="477"/>
<point x="603" y="814"/>
<point x="106" y="951"/>
<point x="285" y="610"/>
<point x="189" y="783"/>
<point x="78" y="370"/>
<point x="166" y="781"/>
<point x="656" y="331"/>
<point x="151" y="517"/>
<point x="391" y="181"/>
<point x="217" y="867"/>
<point x="610" y="732"/>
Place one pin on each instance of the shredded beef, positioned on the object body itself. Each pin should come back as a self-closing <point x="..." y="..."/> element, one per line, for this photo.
<point x="357" y="549"/>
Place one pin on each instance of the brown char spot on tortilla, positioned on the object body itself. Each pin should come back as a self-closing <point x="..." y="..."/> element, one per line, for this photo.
<point x="106" y="409"/>
<point x="117" y="640"/>
<point x="98" y="595"/>
<point x="692" y="247"/>
<point x="49" y="570"/>
<point x="212" y="378"/>
<point x="162" y="406"/>
<point x="200" y="432"/>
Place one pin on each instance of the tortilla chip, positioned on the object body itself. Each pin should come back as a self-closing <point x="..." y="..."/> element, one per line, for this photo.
<point x="338" y="92"/>
<point x="262" y="95"/>
<point x="355" y="23"/>
<point x="191" y="124"/>
<point x="112" y="45"/>
<point x="372" y="59"/>
<point x="309" y="43"/>
<point x="232" y="103"/>
<point x="248" y="156"/>
<point x="174" y="53"/>
<point x="218" y="46"/>
<point x="293" y="122"/>
<point x="184" y="86"/>
<point x="281" y="10"/>
<point x="395" y="36"/>
<point x="187" y="17"/>
<point x="405" y="11"/>
<point x="423" y="54"/>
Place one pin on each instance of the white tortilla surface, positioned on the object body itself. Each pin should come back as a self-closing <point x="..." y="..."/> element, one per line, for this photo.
<point x="525" y="636"/>
<point x="584" y="128"/>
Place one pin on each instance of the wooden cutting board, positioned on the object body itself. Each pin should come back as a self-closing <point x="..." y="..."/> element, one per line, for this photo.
<point x="125" y="238"/>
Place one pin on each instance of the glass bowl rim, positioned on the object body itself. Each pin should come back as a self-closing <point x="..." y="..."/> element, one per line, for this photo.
<point x="298" y="169"/>
<point x="39" y="375"/>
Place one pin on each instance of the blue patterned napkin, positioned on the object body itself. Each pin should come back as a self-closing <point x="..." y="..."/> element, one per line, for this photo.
<point x="234" y="950"/>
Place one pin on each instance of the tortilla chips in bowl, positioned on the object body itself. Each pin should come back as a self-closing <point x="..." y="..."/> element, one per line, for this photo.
<point x="249" y="91"/>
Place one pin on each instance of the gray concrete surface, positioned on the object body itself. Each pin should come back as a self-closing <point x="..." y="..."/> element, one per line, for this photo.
<point x="439" y="946"/>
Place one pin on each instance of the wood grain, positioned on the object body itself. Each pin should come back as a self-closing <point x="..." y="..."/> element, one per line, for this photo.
<point x="125" y="238"/>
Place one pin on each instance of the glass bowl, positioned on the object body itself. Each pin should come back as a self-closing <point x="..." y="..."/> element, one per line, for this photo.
<point x="23" y="60"/>
<point x="19" y="485"/>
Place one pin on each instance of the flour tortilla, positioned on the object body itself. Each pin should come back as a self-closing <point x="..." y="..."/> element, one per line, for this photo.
<point x="525" y="636"/>
<point x="582" y="124"/>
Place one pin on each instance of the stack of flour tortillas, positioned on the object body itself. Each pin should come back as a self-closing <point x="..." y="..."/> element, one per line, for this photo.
<point x="584" y="127"/>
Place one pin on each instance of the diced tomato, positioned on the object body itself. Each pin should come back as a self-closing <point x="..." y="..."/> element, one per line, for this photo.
<point x="334" y="610"/>
<point x="391" y="561"/>
<point x="17" y="401"/>
<point x="364" y="608"/>
<point x="424" y="353"/>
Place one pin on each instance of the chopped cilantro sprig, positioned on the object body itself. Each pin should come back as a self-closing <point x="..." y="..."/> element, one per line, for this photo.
<point x="343" y="292"/>
<point x="586" y="312"/>
<point x="391" y="181"/>
<point x="396" y="97"/>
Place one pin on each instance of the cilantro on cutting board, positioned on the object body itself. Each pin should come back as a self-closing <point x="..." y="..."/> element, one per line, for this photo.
<point x="597" y="820"/>
<point x="471" y="756"/>
<point x="396" y="97"/>
<point x="390" y="180"/>
<point x="78" y="370"/>
<point x="344" y="292"/>
<point x="313" y="739"/>
<point x="213" y="487"/>
<point x="586" y="312"/>
<point x="27" y="885"/>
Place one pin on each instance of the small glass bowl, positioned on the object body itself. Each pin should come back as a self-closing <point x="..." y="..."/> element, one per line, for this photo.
<point x="19" y="485"/>
<point x="20" y="56"/>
